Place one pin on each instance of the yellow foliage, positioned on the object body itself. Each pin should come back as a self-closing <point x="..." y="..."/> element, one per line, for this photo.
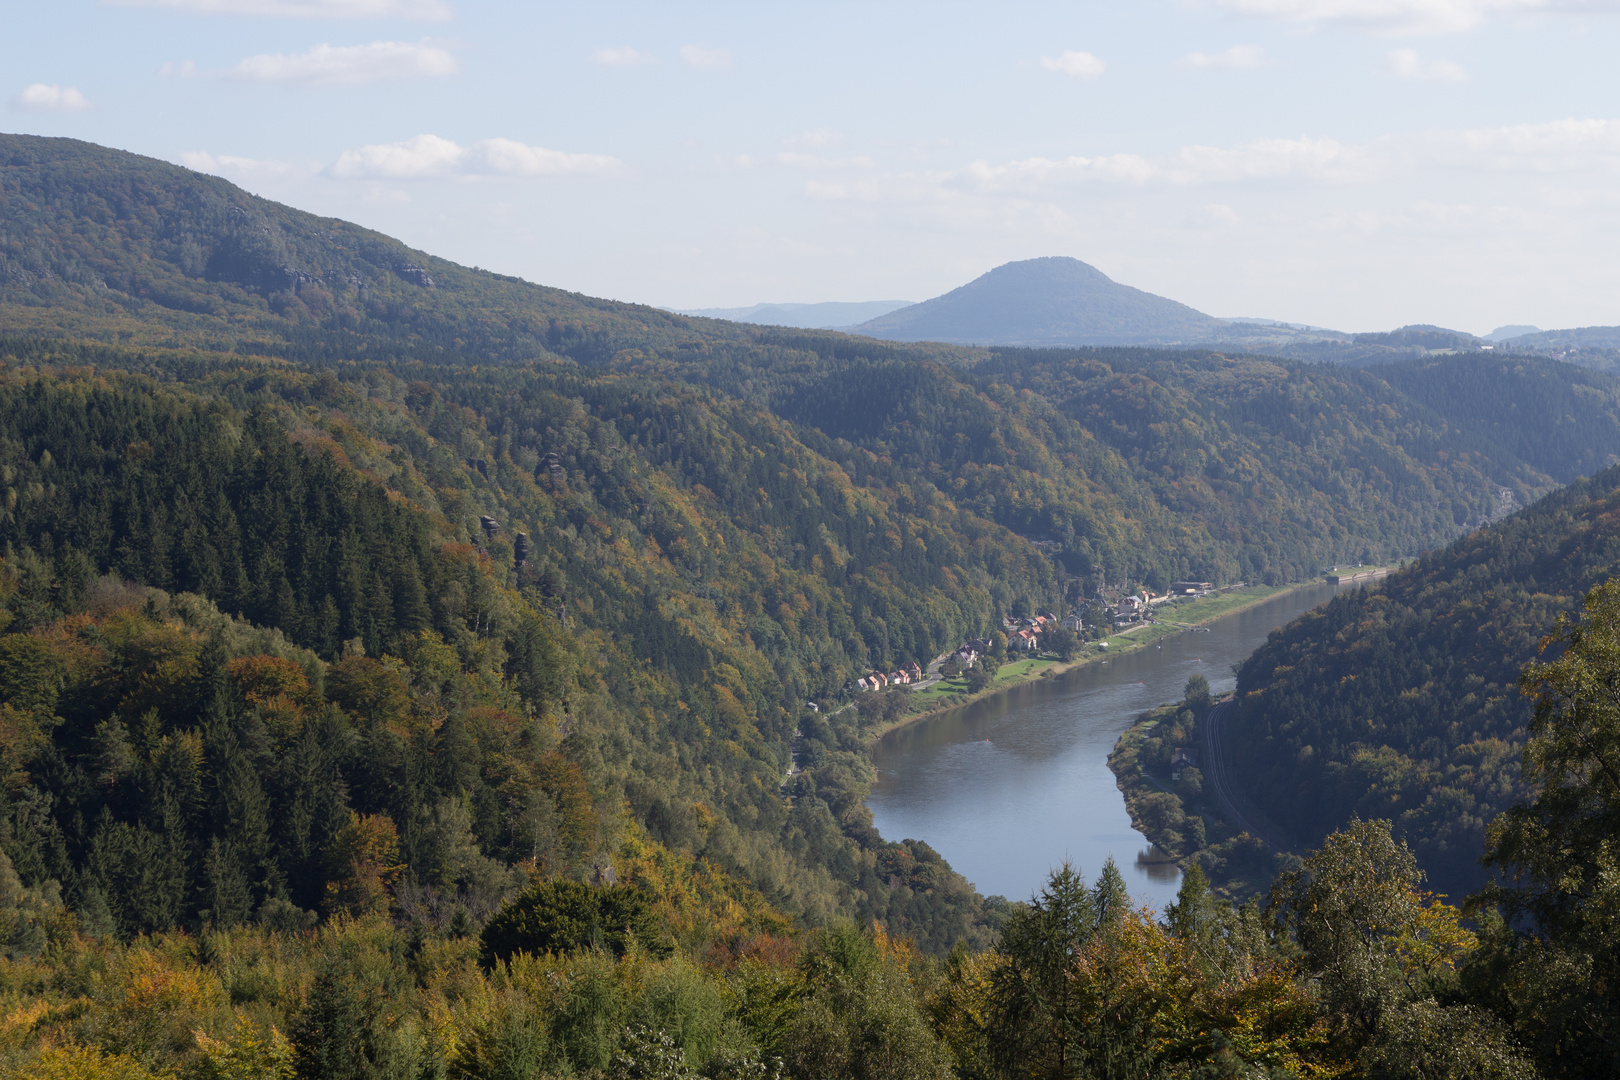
<point x="1268" y="1019"/>
<point x="151" y="997"/>
<point x="961" y="1008"/>
<point x="249" y="1054"/>
<point x="365" y="861"/>
<point x="1139" y="977"/>
<point x="1433" y="939"/>
<point x="696" y="900"/>
<point x="894" y="952"/>
<point x="28" y="1020"/>
<point x="80" y="1063"/>
<point x="23" y="735"/>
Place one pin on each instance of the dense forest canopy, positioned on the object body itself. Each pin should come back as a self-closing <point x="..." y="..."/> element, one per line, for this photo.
<point x="1401" y="701"/>
<point x="304" y="424"/>
<point x="349" y="597"/>
<point x="671" y="635"/>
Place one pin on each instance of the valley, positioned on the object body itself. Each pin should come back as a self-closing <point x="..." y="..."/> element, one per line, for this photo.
<point x="399" y="648"/>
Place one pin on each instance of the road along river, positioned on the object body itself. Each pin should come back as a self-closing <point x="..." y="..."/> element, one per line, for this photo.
<point x="1008" y="787"/>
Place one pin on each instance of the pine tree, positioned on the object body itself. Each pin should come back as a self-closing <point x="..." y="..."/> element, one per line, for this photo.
<point x="329" y="1034"/>
<point x="245" y="817"/>
<point x="1039" y="1022"/>
<point x="1191" y="916"/>
<point x="226" y="899"/>
<point x="1110" y="898"/>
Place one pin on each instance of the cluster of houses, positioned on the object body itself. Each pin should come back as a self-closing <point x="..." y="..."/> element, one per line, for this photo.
<point x="1136" y="607"/>
<point x="970" y="651"/>
<point x="901" y="676"/>
<point x="1023" y="634"/>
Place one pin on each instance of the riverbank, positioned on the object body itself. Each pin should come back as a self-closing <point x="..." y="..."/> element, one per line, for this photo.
<point x="1180" y="816"/>
<point x="1172" y="618"/>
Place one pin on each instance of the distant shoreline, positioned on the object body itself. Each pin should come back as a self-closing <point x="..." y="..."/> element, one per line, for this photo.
<point x="1121" y="644"/>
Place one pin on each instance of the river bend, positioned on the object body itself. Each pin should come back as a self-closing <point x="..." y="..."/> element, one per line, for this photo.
<point x="1008" y="787"/>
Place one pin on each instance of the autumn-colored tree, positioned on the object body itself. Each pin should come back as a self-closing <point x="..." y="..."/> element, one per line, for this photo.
<point x="375" y="691"/>
<point x="363" y="863"/>
<point x="569" y="799"/>
<point x="1380" y="951"/>
<point x="265" y="678"/>
<point x="1554" y="967"/>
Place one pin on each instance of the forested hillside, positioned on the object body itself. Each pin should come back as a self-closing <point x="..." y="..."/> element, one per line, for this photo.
<point x="1144" y="465"/>
<point x="654" y="622"/>
<point x="1400" y="701"/>
<point x="647" y="541"/>
<point x="365" y="618"/>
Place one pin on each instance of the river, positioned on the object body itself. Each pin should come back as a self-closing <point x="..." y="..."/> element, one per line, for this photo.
<point x="1008" y="787"/>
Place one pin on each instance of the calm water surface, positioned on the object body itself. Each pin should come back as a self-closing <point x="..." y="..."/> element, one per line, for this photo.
<point x="1009" y="787"/>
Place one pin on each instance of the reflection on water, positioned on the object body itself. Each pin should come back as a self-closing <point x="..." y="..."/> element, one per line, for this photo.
<point x="1155" y="864"/>
<point x="1009" y="787"/>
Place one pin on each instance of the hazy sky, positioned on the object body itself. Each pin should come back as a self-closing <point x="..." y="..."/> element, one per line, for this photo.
<point x="1357" y="164"/>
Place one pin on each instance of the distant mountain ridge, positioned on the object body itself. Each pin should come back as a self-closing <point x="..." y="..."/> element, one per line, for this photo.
<point x="1045" y="302"/>
<point x="830" y="315"/>
<point x="1423" y="335"/>
<point x="1060" y="301"/>
<point x="1596" y="347"/>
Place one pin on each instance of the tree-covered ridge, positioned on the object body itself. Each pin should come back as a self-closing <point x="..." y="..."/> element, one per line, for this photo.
<point x="1400" y="701"/>
<point x="680" y="629"/>
<point x="1555" y="417"/>
<point x="100" y="242"/>
<point x="1285" y="467"/>
<point x="716" y="557"/>
<point x="1157" y="466"/>
<point x="1351" y="970"/>
<point x="1145" y="465"/>
<point x="196" y="497"/>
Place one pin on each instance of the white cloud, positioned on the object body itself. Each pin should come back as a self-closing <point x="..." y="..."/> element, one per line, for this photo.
<point x="1407" y="64"/>
<point x="814" y="140"/>
<point x="507" y="157"/>
<point x="40" y="97"/>
<point x="1211" y="216"/>
<point x="1261" y="160"/>
<point x="816" y="161"/>
<point x="429" y="156"/>
<point x="424" y="155"/>
<point x="204" y="162"/>
<point x="1075" y="64"/>
<point x="621" y="57"/>
<point x="251" y="173"/>
<point x="328" y="65"/>
<point x="1404" y="16"/>
<point x="1560" y="146"/>
<point x="431" y="10"/>
<point x="184" y="69"/>
<point x="699" y="57"/>
<point x="242" y="169"/>
<point x="1238" y="56"/>
<point x="1588" y="150"/>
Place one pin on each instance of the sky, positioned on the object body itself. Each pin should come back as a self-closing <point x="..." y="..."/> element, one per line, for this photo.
<point x="1355" y="164"/>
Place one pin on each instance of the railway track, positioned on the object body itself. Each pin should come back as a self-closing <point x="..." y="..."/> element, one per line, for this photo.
<point x="1218" y="775"/>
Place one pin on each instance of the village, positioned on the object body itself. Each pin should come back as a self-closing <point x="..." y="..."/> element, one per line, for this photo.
<point x="1024" y="635"/>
